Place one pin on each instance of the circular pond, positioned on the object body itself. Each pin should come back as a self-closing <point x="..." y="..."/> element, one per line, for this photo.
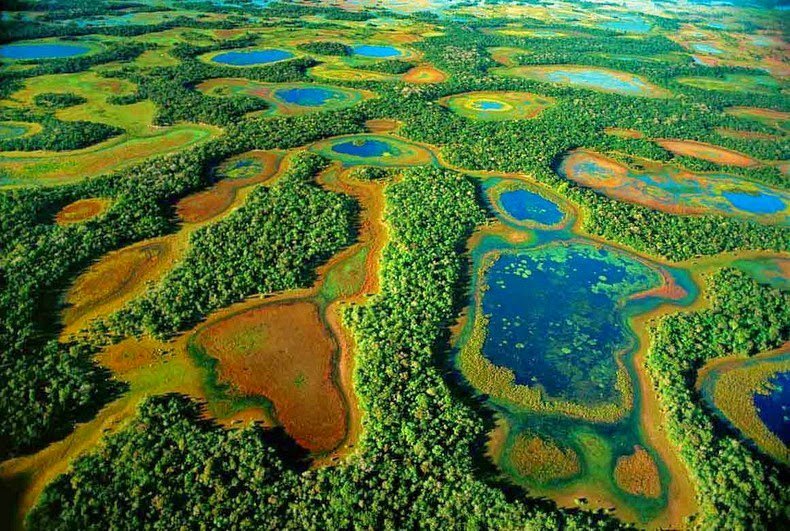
<point x="494" y="105"/>
<point x="373" y="150"/>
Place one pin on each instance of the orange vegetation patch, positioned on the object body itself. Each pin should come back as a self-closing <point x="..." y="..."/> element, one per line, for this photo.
<point x="115" y="276"/>
<point x="623" y="133"/>
<point x="210" y="203"/>
<point x="283" y="352"/>
<point x="424" y="74"/>
<point x="382" y="125"/>
<point x="542" y="460"/>
<point x="131" y="355"/>
<point x="709" y="152"/>
<point x="638" y="474"/>
<point x="81" y="210"/>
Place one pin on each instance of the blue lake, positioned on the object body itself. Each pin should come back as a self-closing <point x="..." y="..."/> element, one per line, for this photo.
<point x="774" y="408"/>
<point x="598" y="79"/>
<point x="706" y="48"/>
<point x="365" y="148"/>
<point x="524" y="205"/>
<point x="380" y="52"/>
<point x="251" y="57"/>
<point x="628" y="25"/>
<point x="307" y="97"/>
<point x="489" y="105"/>
<point x="759" y="203"/>
<point x="568" y="346"/>
<point x="42" y="50"/>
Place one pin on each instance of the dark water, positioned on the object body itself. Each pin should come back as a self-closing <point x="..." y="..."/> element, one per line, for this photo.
<point x="556" y="317"/>
<point x="774" y="408"/>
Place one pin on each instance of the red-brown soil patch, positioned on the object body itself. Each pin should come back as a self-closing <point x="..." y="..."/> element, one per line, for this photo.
<point x="709" y="152"/>
<point x="81" y="210"/>
<point x="210" y="203"/>
<point x="283" y="351"/>
<point x="424" y="74"/>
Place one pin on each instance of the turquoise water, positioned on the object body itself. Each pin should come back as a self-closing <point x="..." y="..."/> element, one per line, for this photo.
<point x="761" y="203"/>
<point x="380" y="52"/>
<point x="706" y="48"/>
<point x="528" y="206"/>
<point x="307" y="97"/>
<point x="489" y="105"/>
<point x="628" y="25"/>
<point x="774" y="408"/>
<point x="252" y="57"/>
<point x="42" y="51"/>
<point x="569" y="346"/>
<point x="365" y="148"/>
<point x="597" y="79"/>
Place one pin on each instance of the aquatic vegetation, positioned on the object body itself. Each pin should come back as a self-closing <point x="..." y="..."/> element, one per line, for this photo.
<point x="288" y="99"/>
<point x="10" y="129"/>
<point x="282" y="352"/>
<point x="638" y="474"/>
<point x="734" y="83"/>
<point x="588" y="77"/>
<point x="675" y="190"/>
<point x="772" y="271"/>
<point x="709" y="152"/>
<point x="627" y="24"/>
<point x="574" y="368"/>
<point x="497" y="105"/>
<point x="541" y="460"/>
<point x="373" y="150"/>
<point x="251" y="57"/>
<point x="750" y="393"/>
<point x="81" y="210"/>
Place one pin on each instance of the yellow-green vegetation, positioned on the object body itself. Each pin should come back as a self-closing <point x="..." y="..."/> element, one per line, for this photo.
<point x="70" y="166"/>
<point x="541" y="460"/>
<point x="135" y="119"/>
<point x="496" y="105"/>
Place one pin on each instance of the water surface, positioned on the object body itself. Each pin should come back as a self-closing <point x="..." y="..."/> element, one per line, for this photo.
<point x="42" y="51"/>
<point x="252" y="57"/>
